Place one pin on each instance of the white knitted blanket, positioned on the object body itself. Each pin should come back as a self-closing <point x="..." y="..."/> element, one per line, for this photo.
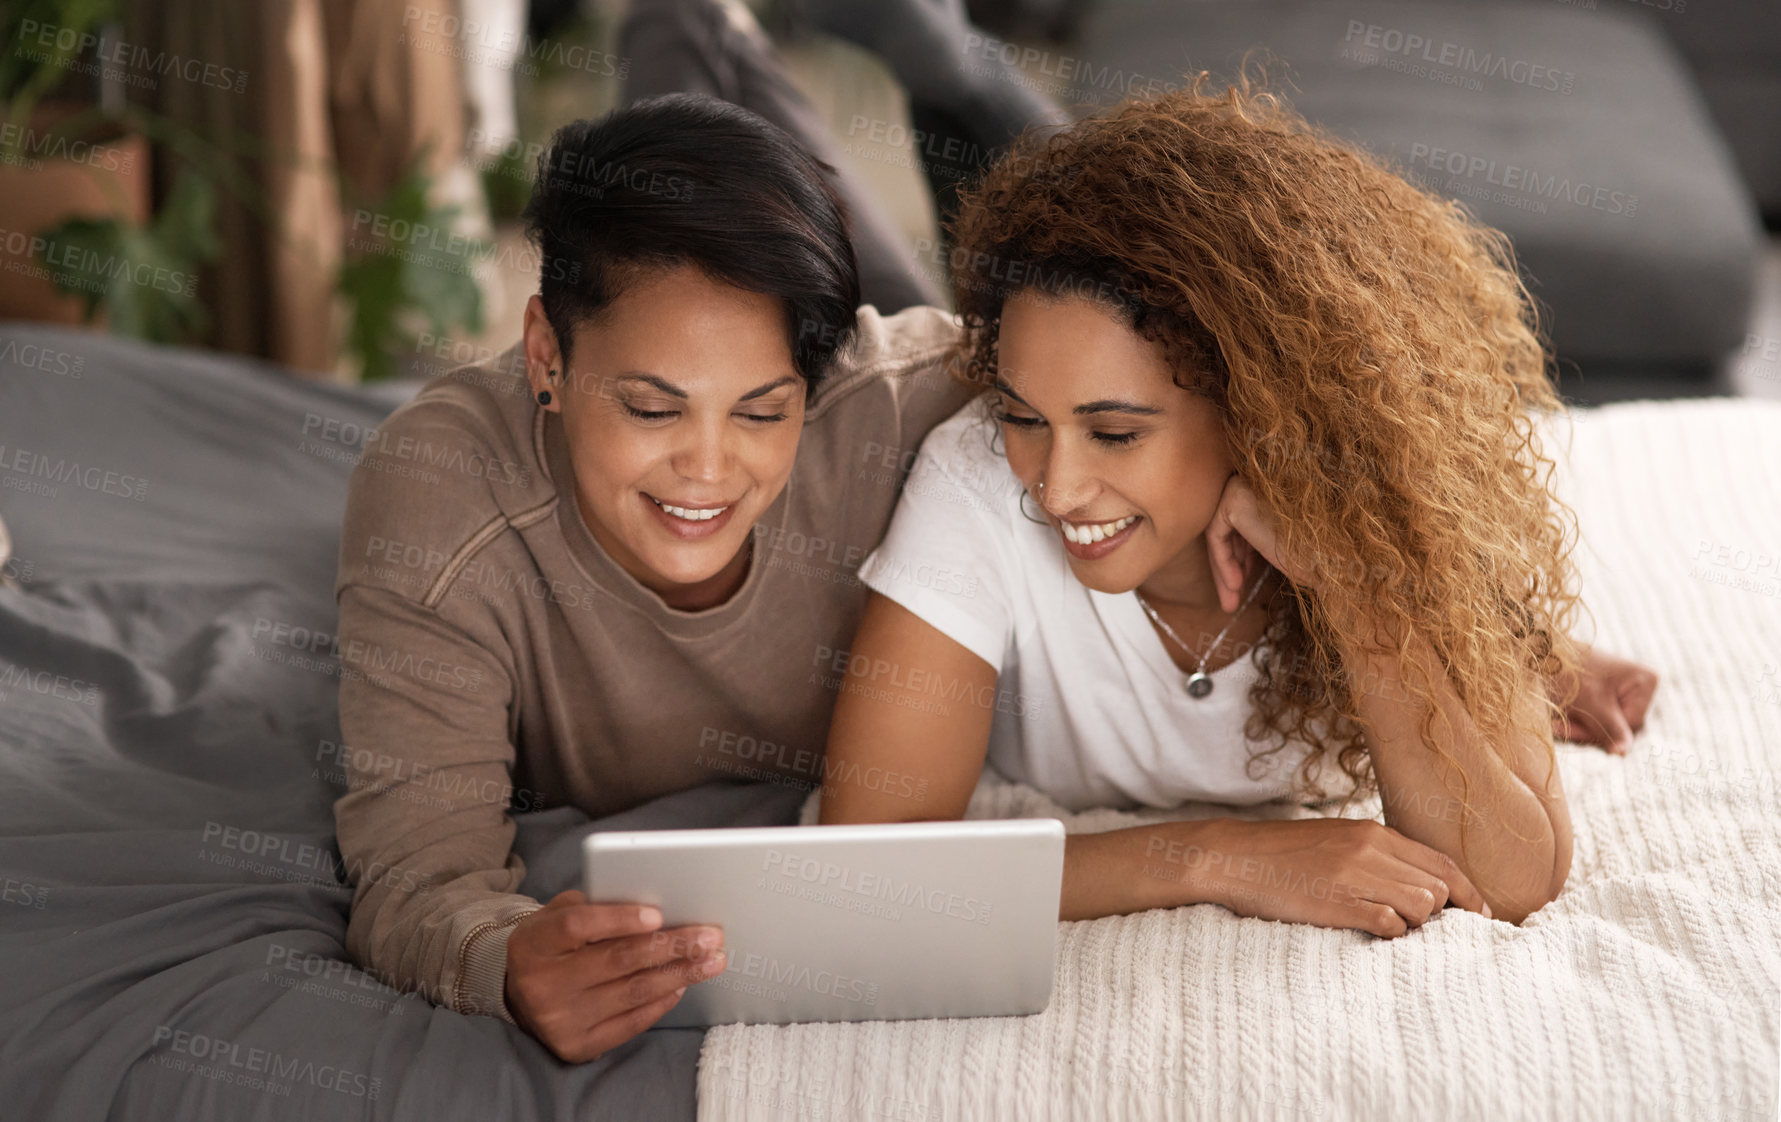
<point x="1650" y="989"/>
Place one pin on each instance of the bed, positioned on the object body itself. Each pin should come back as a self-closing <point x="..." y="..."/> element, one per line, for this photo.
<point x="1650" y="989"/>
<point x="171" y="915"/>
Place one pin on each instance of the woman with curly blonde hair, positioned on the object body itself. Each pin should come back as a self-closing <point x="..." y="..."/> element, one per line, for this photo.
<point x="1255" y="481"/>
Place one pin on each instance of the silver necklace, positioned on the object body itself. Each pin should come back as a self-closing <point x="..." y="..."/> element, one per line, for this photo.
<point x="1199" y="683"/>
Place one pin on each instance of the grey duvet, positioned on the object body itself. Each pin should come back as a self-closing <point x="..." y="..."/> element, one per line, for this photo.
<point x="172" y="906"/>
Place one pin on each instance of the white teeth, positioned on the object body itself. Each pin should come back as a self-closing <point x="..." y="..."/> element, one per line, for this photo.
<point x="690" y="515"/>
<point x="1098" y="531"/>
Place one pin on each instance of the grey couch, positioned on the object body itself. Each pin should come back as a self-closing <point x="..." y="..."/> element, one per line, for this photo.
<point x="1734" y="50"/>
<point x="1578" y="132"/>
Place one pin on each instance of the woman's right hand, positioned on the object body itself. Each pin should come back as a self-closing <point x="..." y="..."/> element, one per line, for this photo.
<point x="1333" y="872"/>
<point x="584" y="978"/>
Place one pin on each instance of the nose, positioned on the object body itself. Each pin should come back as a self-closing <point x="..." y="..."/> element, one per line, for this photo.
<point x="705" y="456"/>
<point x="1063" y="486"/>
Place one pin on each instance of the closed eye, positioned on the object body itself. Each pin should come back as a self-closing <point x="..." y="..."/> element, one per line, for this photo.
<point x="1113" y="439"/>
<point x="664" y="414"/>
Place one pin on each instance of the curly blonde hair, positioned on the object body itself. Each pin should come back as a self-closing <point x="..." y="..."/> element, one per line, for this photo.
<point x="1377" y="364"/>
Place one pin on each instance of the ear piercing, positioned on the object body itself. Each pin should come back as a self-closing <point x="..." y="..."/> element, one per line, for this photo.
<point x="544" y="395"/>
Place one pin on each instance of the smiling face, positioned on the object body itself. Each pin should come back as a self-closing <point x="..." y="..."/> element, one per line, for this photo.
<point x="682" y="413"/>
<point x="1131" y="465"/>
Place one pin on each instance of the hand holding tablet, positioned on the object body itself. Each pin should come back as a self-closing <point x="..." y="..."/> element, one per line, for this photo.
<point x="584" y="978"/>
<point x="840" y="923"/>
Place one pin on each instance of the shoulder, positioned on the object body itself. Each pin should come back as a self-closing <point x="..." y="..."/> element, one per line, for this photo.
<point x="891" y="384"/>
<point x="958" y="551"/>
<point x="440" y="478"/>
<point x="960" y="487"/>
<point x="962" y="458"/>
<point x="898" y="347"/>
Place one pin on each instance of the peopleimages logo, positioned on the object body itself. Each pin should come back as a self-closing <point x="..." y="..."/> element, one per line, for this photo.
<point x="23" y="893"/>
<point x="230" y="1061"/>
<point x="494" y="43"/>
<point x="1398" y="43"/>
<point x="49" y="361"/>
<point x="877" y="886"/>
<point x="52" y="145"/>
<point x="274" y="855"/>
<point x="770" y="971"/>
<point x="370" y="440"/>
<point x="59" y="686"/>
<point x="370" y="658"/>
<point x="1473" y="175"/>
<point x="35" y="471"/>
<point x="366" y="768"/>
<point x="87" y="268"/>
<point x="38" y="41"/>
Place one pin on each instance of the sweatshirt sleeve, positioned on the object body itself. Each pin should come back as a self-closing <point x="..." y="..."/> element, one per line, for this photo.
<point x="424" y="828"/>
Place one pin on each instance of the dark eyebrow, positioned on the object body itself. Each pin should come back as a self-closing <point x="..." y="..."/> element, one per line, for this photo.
<point x="1109" y="406"/>
<point x="762" y="391"/>
<point x="673" y="390"/>
<point x="1105" y="405"/>
<point x="1002" y="387"/>
<point x="662" y="384"/>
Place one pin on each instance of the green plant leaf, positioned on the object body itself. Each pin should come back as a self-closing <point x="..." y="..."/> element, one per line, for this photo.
<point x="146" y="278"/>
<point x="40" y="39"/>
<point x="507" y="183"/>
<point x="403" y="264"/>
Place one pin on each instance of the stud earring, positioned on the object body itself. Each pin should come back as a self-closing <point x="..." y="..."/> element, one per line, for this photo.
<point x="544" y="397"/>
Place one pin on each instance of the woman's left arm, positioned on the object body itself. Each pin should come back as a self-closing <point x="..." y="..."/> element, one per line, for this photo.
<point x="1518" y="847"/>
<point x="1518" y="851"/>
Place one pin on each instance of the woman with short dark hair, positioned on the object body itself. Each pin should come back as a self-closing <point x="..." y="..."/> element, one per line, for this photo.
<point x="613" y="563"/>
<point x="682" y="178"/>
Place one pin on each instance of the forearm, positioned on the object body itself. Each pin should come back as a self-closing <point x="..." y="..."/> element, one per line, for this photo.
<point x="1166" y="865"/>
<point x="447" y="943"/>
<point x="423" y="825"/>
<point x="436" y="885"/>
<point x="1508" y="808"/>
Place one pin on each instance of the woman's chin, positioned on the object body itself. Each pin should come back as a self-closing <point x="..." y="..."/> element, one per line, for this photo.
<point x="1114" y="565"/>
<point x="690" y="564"/>
<point x="1099" y="576"/>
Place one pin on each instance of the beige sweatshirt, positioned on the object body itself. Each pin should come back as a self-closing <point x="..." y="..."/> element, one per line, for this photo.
<point x="495" y="658"/>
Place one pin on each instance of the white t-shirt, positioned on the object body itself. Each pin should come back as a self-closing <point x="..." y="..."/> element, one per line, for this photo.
<point x="1089" y="708"/>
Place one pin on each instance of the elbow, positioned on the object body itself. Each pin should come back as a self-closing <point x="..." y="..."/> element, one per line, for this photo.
<point x="831" y="813"/>
<point x="1518" y="906"/>
<point x="838" y="807"/>
<point x="1561" y="867"/>
<point x="1516" y="910"/>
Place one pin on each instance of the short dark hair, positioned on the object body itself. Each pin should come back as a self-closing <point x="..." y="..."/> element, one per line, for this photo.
<point x="689" y="179"/>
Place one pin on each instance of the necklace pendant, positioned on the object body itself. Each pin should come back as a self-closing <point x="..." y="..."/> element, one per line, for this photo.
<point x="1199" y="684"/>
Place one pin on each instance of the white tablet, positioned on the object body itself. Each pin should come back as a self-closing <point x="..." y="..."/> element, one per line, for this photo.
<point x="852" y="923"/>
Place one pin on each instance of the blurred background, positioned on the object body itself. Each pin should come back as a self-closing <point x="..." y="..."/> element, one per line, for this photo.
<point x="334" y="185"/>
